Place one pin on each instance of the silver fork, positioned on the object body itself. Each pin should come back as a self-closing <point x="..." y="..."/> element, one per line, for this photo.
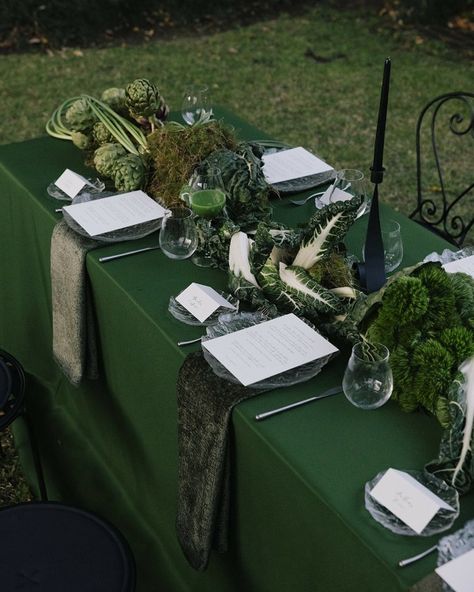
<point x="301" y="202"/>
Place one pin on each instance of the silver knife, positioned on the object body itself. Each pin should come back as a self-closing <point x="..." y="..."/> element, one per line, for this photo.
<point x="127" y="253"/>
<point x="332" y="391"/>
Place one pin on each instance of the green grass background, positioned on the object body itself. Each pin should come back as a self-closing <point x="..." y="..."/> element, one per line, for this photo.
<point x="262" y="73"/>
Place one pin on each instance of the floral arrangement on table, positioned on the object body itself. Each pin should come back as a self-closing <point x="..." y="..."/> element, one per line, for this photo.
<point x="424" y="315"/>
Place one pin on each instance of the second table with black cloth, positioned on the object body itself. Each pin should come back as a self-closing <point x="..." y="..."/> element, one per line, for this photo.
<point x="298" y="520"/>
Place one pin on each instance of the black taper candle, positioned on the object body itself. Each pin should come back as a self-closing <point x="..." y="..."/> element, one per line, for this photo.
<point x="372" y="271"/>
<point x="377" y="165"/>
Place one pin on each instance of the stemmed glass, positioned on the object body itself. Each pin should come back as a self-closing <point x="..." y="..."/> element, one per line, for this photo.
<point x="206" y="198"/>
<point x="195" y="103"/>
<point x="352" y="182"/>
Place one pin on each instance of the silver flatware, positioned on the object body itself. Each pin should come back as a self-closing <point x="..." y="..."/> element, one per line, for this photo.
<point x="410" y="560"/>
<point x="332" y="391"/>
<point x="181" y="343"/>
<point x="301" y="202"/>
<point x="127" y="253"/>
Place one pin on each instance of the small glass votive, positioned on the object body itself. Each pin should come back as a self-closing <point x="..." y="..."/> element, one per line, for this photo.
<point x="178" y="234"/>
<point x="368" y="379"/>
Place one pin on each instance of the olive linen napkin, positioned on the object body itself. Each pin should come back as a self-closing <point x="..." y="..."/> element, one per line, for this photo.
<point x="74" y="339"/>
<point x="205" y="404"/>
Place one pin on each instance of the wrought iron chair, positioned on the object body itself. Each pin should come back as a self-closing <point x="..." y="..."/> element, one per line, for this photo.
<point x="49" y="545"/>
<point x="446" y="123"/>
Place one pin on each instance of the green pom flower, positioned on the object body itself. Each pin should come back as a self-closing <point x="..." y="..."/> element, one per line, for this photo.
<point x="463" y="288"/>
<point x="434" y="372"/>
<point x="106" y="158"/>
<point x="79" y="116"/>
<point x="129" y="173"/>
<point x="459" y="341"/>
<point x="406" y="300"/>
<point x="442" y="309"/>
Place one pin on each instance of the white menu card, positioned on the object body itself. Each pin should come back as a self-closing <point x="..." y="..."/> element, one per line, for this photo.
<point x="292" y="164"/>
<point x="71" y="183"/>
<point x="201" y="301"/>
<point x="269" y="348"/>
<point x="115" y="212"/>
<point x="410" y="501"/>
<point x="465" y="265"/>
<point x="459" y="572"/>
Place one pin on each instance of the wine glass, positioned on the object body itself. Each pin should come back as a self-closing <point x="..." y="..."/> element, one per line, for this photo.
<point x="350" y="181"/>
<point x="195" y="103"/>
<point x="178" y="235"/>
<point x="368" y="379"/>
<point x="206" y="198"/>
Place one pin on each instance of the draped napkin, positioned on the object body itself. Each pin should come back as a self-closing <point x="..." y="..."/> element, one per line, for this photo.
<point x="74" y="339"/>
<point x="205" y="404"/>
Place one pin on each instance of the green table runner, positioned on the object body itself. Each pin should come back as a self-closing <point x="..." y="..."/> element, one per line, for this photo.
<point x="298" y="520"/>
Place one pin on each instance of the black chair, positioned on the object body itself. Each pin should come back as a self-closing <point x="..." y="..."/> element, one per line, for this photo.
<point x="445" y="173"/>
<point x="49" y="545"/>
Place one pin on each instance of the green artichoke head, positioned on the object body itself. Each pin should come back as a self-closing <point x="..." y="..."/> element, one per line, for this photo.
<point x="129" y="173"/>
<point x="115" y="99"/>
<point x="106" y="158"/>
<point x="82" y="140"/>
<point x="144" y="99"/>
<point x="101" y="134"/>
<point x="79" y="116"/>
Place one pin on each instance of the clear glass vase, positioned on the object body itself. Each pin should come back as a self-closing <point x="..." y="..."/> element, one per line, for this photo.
<point x="368" y="379"/>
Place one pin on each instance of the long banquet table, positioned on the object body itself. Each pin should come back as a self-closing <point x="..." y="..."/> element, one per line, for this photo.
<point x="298" y="520"/>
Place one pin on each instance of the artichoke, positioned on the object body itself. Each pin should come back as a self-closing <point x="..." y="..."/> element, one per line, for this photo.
<point x="144" y="100"/>
<point x="129" y="173"/>
<point x="106" y="158"/>
<point x="82" y="140"/>
<point x="102" y="134"/>
<point x="115" y="99"/>
<point x="79" y="116"/>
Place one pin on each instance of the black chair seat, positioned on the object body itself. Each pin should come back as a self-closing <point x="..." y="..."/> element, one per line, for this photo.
<point x="51" y="547"/>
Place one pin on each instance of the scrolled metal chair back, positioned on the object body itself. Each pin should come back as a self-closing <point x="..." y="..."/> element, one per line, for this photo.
<point x="447" y="205"/>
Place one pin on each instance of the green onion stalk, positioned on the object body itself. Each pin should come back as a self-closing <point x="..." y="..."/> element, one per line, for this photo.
<point x="125" y="132"/>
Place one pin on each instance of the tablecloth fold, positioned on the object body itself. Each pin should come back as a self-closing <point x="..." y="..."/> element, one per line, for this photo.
<point x="74" y="336"/>
<point x="205" y="404"/>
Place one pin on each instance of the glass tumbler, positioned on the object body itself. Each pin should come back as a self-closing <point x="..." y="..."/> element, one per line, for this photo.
<point x="393" y="245"/>
<point x="368" y="379"/>
<point x="178" y="234"/>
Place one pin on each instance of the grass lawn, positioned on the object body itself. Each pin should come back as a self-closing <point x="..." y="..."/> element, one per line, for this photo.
<point x="267" y="73"/>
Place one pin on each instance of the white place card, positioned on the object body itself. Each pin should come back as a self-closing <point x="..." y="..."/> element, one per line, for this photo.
<point x="330" y="196"/>
<point x="292" y="164"/>
<point x="71" y="183"/>
<point x="115" y="212"/>
<point x="201" y="301"/>
<point x="459" y="573"/>
<point x="409" y="500"/>
<point x="465" y="265"/>
<point x="269" y="348"/>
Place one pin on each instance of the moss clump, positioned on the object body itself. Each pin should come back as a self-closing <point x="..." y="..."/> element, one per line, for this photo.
<point x="177" y="150"/>
<point x="332" y="272"/>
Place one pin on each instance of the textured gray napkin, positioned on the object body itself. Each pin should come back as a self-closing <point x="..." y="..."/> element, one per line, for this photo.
<point x="205" y="404"/>
<point x="74" y="340"/>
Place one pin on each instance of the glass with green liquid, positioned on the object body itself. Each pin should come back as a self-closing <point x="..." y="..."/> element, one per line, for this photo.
<point x="206" y="198"/>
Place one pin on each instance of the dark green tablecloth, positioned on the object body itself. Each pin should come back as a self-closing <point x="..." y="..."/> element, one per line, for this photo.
<point x="298" y="519"/>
